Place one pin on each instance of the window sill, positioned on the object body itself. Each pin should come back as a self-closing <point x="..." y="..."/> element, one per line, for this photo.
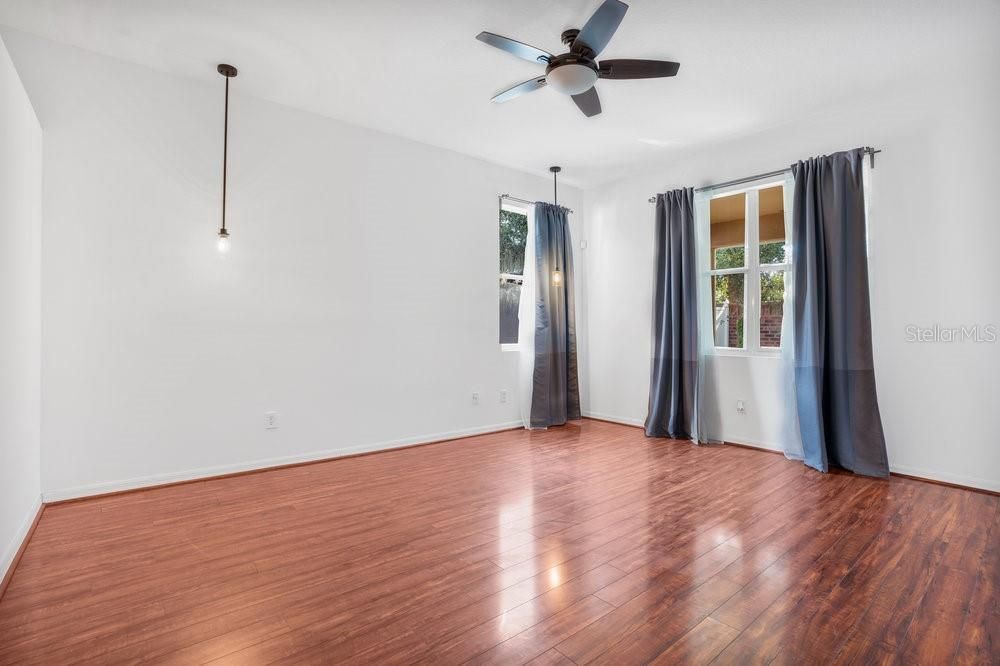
<point x="510" y="347"/>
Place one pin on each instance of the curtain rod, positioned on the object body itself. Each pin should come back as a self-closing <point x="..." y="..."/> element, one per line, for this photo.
<point x="867" y="150"/>
<point x="525" y="201"/>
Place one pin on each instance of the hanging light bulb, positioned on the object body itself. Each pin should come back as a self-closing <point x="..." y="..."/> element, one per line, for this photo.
<point x="223" y="242"/>
<point x="556" y="274"/>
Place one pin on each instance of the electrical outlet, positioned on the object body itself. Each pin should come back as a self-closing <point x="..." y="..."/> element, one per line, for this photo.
<point x="583" y="245"/>
<point x="503" y="395"/>
<point x="475" y="397"/>
<point x="741" y="407"/>
<point x="270" y="420"/>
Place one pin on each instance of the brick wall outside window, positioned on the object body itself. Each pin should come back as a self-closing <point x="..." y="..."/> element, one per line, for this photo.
<point x="770" y="324"/>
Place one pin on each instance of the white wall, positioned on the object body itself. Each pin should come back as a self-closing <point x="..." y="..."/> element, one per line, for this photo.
<point x="933" y="240"/>
<point x="359" y="300"/>
<point x="20" y="228"/>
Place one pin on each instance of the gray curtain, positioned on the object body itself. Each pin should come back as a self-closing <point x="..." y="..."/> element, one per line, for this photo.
<point x="834" y="372"/>
<point x="674" y="379"/>
<point x="555" y="390"/>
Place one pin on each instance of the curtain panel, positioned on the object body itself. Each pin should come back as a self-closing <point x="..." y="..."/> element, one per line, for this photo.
<point x="674" y="385"/>
<point x="555" y="388"/>
<point x="835" y="395"/>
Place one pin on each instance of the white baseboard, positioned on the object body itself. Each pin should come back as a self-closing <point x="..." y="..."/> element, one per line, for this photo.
<point x="190" y="475"/>
<point x="624" y="420"/>
<point x="746" y="441"/>
<point x="967" y="481"/>
<point x="957" y="479"/>
<point x="253" y="465"/>
<point x="10" y="550"/>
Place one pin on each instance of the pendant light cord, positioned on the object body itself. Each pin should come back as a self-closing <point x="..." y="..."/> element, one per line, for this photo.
<point x="225" y="154"/>
<point x="555" y="202"/>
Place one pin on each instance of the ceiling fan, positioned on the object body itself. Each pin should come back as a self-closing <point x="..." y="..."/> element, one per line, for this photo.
<point x="576" y="72"/>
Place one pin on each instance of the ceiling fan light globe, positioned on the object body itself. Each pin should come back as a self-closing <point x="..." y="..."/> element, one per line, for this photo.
<point x="571" y="79"/>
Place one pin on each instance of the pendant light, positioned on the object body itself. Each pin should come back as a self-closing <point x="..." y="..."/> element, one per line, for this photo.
<point x="557" y="276"/>
<point x="228" y="71"/>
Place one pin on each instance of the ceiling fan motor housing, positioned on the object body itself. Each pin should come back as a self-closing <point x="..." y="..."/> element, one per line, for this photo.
<point x="571" y="73"/>
<point x="569" y="36"/>
<point x="576" y="72"/>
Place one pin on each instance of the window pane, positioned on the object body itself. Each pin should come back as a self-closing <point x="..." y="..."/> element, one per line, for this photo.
<point x="772" y="225"/>
<point x="728" y="233"/>
<point x="727" y="310"/>
<point x="772" y="303"/>
<point x="513" y="235"/>
<point x="510" y="298"/>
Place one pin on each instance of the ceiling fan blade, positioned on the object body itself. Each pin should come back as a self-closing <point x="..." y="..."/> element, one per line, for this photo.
<point x="597" y="32"/>
<point x="519" y="89"/>
<point x="637" y="69"/>
<point x="588" y="102"/>
<point x="514" y="47"/>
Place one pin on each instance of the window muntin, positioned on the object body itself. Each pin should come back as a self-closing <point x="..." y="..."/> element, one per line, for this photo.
<point x="513" y="236"/>
<point x="748" y="267"/>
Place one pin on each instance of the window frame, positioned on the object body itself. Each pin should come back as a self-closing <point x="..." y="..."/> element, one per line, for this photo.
<point x="752" y="268"/>
<point x="518" y="209"/>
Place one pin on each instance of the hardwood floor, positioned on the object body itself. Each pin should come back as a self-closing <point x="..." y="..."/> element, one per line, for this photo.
<point x="582" y="544"/>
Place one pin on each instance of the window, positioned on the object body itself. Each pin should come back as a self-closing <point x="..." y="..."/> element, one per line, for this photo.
<point x="513" y="236"/>
<point x="747" y="267"/>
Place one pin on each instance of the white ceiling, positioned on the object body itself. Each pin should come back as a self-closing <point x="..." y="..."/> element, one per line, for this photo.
<point x="413" y="67"/>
